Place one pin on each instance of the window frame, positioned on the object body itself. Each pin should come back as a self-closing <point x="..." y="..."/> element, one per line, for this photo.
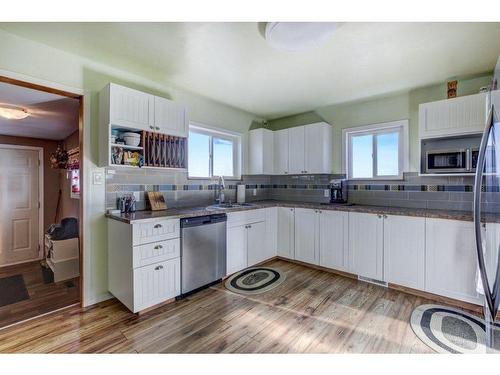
<point x="376" y="129"/>
<point x="212" y="132"/>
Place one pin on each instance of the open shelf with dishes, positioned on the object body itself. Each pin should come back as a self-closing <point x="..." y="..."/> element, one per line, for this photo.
<point x="145" y="149"/>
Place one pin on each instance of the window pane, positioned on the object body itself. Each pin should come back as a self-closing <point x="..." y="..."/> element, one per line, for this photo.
<point x="223" y="157"/>
<point x="198" y="155"/>
<point x="388" y="154"/>
<point x="362" y="150"/>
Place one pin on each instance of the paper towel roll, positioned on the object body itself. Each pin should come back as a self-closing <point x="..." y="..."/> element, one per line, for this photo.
<point x="240" y="193"/>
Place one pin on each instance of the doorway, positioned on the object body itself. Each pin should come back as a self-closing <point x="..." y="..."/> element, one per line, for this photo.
<point x="40" y="200"/>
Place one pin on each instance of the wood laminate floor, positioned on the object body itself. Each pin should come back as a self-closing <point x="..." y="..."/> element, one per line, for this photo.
<point x="311" y="312"/>
<point x="43" y="298"/>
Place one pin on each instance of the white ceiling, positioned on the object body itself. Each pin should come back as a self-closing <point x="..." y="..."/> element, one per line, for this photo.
<point x="232" y="63"/>
<point x="51" y="116"/>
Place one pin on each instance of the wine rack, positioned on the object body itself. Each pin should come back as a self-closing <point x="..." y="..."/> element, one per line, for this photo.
<point x="161" y="150"/>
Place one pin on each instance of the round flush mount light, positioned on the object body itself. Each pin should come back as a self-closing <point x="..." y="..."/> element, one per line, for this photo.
<point x="298" y="36"/>
<point x="11" y="112"/>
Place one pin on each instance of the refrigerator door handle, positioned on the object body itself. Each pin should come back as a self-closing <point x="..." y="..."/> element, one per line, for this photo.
<point x="478" y="183"/>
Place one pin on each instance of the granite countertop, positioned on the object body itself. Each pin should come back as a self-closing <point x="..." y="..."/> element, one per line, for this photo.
<point x="178" y="213"/>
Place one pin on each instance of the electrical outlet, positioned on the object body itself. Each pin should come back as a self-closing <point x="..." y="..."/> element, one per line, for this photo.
<point x="137" y="196"/>
<point x="326" y="193"/>
<point x="254" y="192"/>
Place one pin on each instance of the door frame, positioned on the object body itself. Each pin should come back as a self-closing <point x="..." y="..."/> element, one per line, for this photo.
<point x="83" y="96"/>
<point x="40" y="194"/>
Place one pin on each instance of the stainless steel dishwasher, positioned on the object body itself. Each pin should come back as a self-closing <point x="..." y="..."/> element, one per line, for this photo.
<point x="203" y="252"/>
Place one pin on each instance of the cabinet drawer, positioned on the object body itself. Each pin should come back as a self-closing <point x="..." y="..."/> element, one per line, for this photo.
<point x="246" y="217"/>
<point x="155" y="252"/>
<point x="154" y="231"/>
<point x="156" y="283"/>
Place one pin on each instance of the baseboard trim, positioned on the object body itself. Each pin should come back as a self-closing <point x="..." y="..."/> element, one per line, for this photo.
<point x="316" y="267"/>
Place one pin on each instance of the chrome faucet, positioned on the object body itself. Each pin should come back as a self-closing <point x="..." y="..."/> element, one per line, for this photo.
<point x="219" y="193"/>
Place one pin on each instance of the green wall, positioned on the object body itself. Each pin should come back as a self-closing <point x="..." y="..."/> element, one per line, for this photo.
<point x="41" y="62"/>
<point x="397" y="106"/>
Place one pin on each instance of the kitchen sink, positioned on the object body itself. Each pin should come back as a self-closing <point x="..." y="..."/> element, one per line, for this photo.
<point x="227" y="206"/>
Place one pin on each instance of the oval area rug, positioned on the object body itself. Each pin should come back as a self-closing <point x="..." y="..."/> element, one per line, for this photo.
<point x="254" y="280"/>
<point x="449" y="330"/>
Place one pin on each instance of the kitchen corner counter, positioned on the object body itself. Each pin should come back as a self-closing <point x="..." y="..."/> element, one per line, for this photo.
<point x="178" y="213"/>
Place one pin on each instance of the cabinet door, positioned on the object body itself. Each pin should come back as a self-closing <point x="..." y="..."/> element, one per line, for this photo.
<point x="451" y="259"/>
<point x="333" y="239"/>
<point x="256" y="243"/>
<point x="260" y="150"/>
<point x="156" y="283"/>
<point x="286" y="232"/>
<point x="170" y="117"/>
<point x="272" y="231"/>
<point x="306" y="235"/>
<point x="296" y="162"/>
<point x="130" y="108"/>
<point x="318" y="143"/>
<point x="404" y="251"/>
<point x="281" y="152"/>
<point x="236" y="254"/>
<point x="366" y="245"/>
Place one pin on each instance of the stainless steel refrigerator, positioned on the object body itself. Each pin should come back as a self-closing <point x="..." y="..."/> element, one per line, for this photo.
<point x="487" y="216"/>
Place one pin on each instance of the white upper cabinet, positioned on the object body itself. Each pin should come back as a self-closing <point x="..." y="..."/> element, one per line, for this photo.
<point x="281" y="151"/>
<point x="404" y="251"/>
<point x="333" y="239"/>
<point x="261" y="145"/>
<point x="451" y="259"/>
<point x="457" y="116"/>
<point x="296" y="150"/>
<point x="366" y="245"/>
<point x="170" y="117"/>
<point x="318" y="148"/>
<point x="127" y="107"/>
<point x="307" y="235"/>
<point x="286" y="232"/>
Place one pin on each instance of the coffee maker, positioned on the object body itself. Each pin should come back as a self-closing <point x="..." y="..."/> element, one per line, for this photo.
<point x="338" y="190"/>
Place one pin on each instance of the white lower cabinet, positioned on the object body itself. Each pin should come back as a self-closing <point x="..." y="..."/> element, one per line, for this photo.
<point x="450" y="267"/>
<point x="236" y="255"/>
<point x="286" y="232"/>
<point x="306" y="235"/>
<point x="156" y="283"/>
<point x="334" y="239"/>
<point x="366" y="245"/>
<point x="257" y="249"/>
<point x="404" y="251"/>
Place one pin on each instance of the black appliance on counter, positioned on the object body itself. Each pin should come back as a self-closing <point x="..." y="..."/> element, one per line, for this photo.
<point x="338" y="190"/>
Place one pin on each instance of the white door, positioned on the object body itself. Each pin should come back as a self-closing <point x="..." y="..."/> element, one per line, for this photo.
<point x="236" y="255"/>
<point x="318" y="148"/>
<point x="131" y="108"/>
<point x="404" y="251"/>
<point x="451" y="259"/>
<point x="333" y="239"/>
<point x="170" y="117"/>
<point x="306" y="235"/>
<point x="366" y="244"/>
<point x="286" y="232"/>
<point x="19" y="212"/>
<point x="281" y="151"/>
<point x="256" y="243"/>
<point x="296" y="151"/>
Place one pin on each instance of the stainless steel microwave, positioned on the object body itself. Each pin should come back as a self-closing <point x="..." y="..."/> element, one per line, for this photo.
<point x="462" y="160"/>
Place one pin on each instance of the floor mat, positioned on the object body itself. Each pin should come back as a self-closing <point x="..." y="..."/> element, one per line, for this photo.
<point x="12" y="290"/>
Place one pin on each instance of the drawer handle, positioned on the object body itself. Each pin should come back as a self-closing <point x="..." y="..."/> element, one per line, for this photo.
<point x="157" y="268"/>
<point x="158" y="226"/>
<point x="158" y="247"/>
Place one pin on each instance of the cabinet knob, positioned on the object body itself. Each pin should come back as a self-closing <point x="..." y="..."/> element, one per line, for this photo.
<point x="151" y="127"/>
<point x="158" y="247"/>
<point x="157" y="268"/>
<point x="379" y="216"/>
<point x="385" y="216"/>
<point x="157" y="127"/>
<point x="158" y="226"/>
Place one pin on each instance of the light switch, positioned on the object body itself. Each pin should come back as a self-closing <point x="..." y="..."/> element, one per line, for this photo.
<point x="97" y="178"/>
<point x="137" y="196"/>
<point x="254" y="192"/>
<point x="326" y="193"/>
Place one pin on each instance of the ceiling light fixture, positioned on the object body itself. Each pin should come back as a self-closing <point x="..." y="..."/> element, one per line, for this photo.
<point x="298" y="36"/>
<point x="11" y="112"/>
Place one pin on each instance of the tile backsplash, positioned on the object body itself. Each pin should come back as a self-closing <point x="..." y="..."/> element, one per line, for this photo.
<point x="443" y="192"/>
